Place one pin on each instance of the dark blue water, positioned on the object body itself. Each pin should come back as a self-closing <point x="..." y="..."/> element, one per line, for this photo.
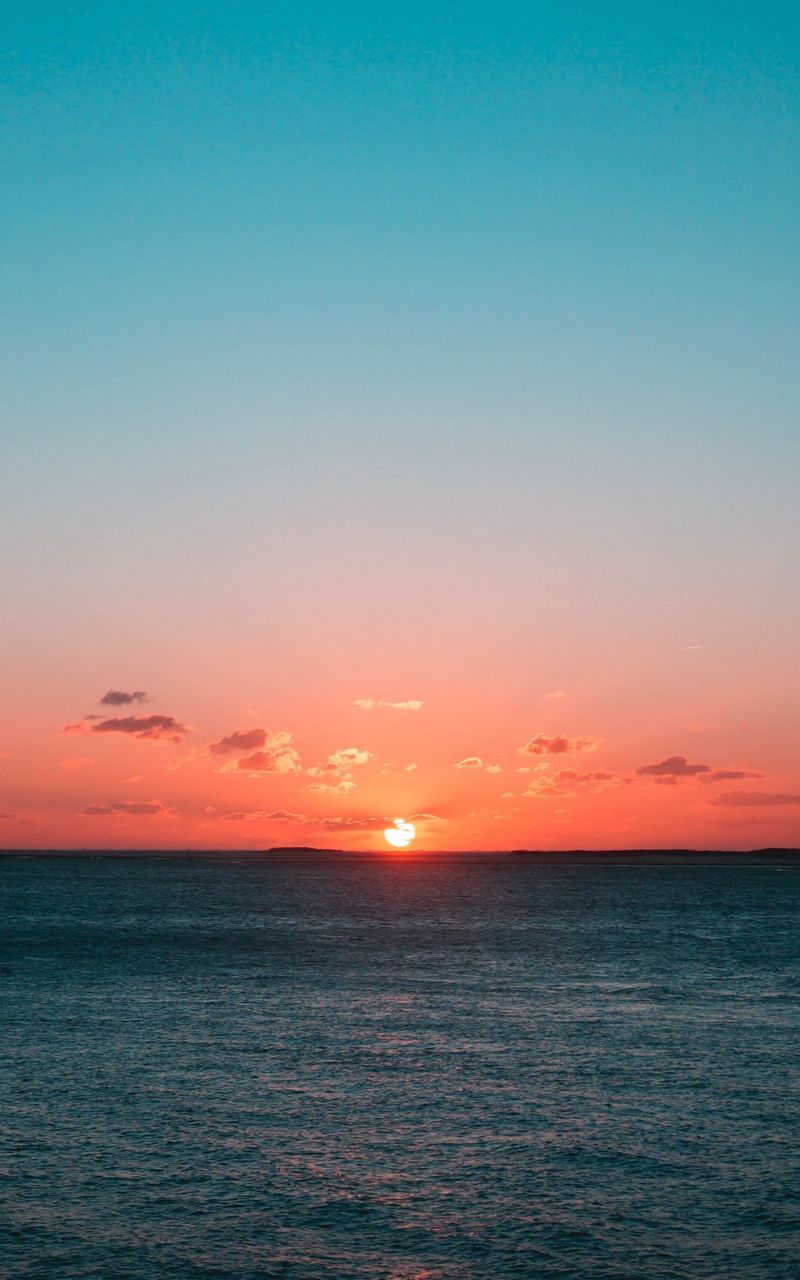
<point x="398" y="1068"/>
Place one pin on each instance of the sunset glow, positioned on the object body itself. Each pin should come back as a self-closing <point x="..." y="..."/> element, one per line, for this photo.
<point x="398" y="425"/>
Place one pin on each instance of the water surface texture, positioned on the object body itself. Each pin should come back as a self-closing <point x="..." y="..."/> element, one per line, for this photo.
<point x="398" y="1068"/>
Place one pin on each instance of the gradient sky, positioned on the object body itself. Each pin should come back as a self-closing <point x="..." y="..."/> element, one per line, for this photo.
<point x="442" y="355"/>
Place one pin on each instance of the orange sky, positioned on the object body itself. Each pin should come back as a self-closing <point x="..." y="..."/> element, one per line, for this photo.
<point x="563" y="769"/>
<point x="405" y="362"/>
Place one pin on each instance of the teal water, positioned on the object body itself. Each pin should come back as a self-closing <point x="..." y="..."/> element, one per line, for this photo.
<point x="398" y="1068"/>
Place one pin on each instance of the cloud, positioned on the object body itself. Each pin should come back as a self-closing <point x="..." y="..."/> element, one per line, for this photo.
<point x="378" y="704"/>
<point x="76" y="762"/>
<point x="543" y="788"/>
<point x="555" y="696"/>
<point x="121" y="698"/>
<point x="284" y="816"/>
<point x="542" y="744"/>
<point x="571" y="782"/>
<point x="597" y="779"/>
<point x="138" y="808"/>
<point x="80" y="726"/>
<point x="471" y="762"/>
<point x="340" y="788"/>
<point x="494" y="768"/>
<point x="7" y="817"/>
<point x="411" y="767"/>
<point x="278" y="756"/>
<point x="754" y="800"/>
<point x="262" y="815"/>
<point x="349" y="824"/>
<point x="670" y="770"/>
<point x="156" y="728"/>
<point x="340" y="762"/>
<point x="239" y="741"/>
<point x="730" y="775"/>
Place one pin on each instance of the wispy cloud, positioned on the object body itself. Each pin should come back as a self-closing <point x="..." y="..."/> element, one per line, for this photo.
<point x="341" y="788"/>
<point x="284" y="817"/>
<point x="571" y="782"/>
<point x="544" y="744"/>
<point x="729" y="775"/>
<point x="597" y="779"/>
<point x="475" y="762"/>
<point x="350" y="823"/>
<point x="262" y="815"/>
<point x="72" y="763"/>
<point x="755" y="800"/>
<point x="379" y="704"/>
<point x="340" y="762"/>
<point x="554" y="696"/>
<point x="135" y="808"/>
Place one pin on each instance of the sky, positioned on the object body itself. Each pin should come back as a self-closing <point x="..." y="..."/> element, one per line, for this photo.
<point x="399" y="421"/>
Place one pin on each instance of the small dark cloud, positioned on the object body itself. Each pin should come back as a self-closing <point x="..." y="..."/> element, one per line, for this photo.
<point x="7" y="817"/>
<point x="238" y="741"/>
<point x="139" y="808"/>
<point x="121" y="697"/>
<point x="157" y="728"/>
<point x="673" y="767"/>
<point x="755" y="800"/>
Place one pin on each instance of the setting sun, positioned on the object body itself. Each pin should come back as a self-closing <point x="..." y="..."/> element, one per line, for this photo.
<point x="401" y="834"/>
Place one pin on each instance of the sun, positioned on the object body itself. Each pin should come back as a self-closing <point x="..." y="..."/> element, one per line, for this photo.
<point x="401" y="834"/>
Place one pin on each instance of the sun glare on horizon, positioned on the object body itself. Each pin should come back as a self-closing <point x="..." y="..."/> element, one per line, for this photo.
<point x="400" y="835"/>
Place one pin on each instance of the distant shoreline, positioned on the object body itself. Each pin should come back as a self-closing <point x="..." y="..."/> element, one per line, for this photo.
<point x="567" y="857"/>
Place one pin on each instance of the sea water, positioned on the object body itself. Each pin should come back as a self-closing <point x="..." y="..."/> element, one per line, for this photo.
<point x="398" y="1068"/>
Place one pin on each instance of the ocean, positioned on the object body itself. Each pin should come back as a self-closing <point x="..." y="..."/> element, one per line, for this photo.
<point x="398" y="1067"/>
